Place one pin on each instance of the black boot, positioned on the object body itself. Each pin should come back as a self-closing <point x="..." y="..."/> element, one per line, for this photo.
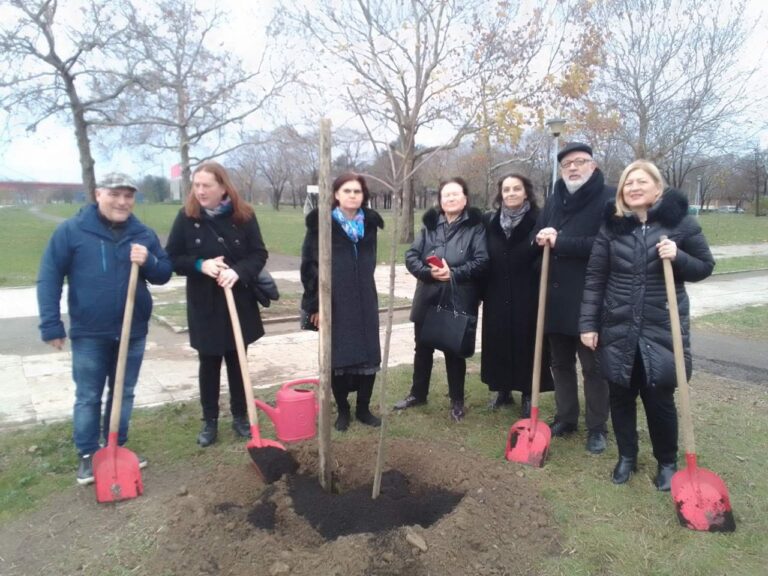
<point x="499" y="399"/>
<point x="664" y="473"/>
<point x="207" y="435"/>
<point x="362" y="407"/>
<point x="241" y="426"/>
<point x="525" y="406"/>
<point x="342" y="421"/>
<point x="623" y="470"/>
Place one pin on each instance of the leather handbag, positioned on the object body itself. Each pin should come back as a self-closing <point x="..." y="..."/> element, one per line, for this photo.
<point x="449" y="329"/>
<point x="265" y="289"/>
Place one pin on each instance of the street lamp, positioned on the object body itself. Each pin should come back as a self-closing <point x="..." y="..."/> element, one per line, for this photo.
<point x="698" y="193"/>
<point x="555" y="126"/>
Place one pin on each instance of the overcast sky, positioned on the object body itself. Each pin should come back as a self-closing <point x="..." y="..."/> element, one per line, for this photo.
<point x="50" y="154"/>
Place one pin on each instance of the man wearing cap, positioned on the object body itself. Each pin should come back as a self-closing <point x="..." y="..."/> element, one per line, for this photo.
<point x="569" y="222"/>
<point x="94" y="251"/>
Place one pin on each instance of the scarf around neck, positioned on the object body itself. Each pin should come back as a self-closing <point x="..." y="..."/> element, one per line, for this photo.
<point x="511" y="217"/>
<point x="355" y="228"/>
<point x="224" y="207"/>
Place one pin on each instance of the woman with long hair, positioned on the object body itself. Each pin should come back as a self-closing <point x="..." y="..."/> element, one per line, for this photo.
<point x="216" y="243"/>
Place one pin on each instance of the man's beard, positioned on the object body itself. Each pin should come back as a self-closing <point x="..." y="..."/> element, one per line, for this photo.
<point x="573" y="185"/>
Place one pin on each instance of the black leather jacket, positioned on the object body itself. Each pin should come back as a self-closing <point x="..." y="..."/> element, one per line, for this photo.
<point x="463" y="245"/>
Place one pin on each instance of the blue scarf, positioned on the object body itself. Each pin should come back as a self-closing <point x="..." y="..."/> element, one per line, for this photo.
<point x="224" y="207"/>
<point x="355" y="228"/>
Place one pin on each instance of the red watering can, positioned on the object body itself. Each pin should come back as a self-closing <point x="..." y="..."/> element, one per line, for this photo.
<point x="295" y="413"/>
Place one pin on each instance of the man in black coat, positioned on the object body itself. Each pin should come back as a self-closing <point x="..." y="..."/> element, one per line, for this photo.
<point x="569" y="222"/>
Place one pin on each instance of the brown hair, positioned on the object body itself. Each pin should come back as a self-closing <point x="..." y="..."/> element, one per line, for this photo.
<point x="527" y="186"/>
<point x="342" y="179"/>
<point x="241" y="211"/>
<point x="646" y="166"/>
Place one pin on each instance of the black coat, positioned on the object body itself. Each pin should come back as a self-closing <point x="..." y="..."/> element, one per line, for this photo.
<point x="510" y="302"/>
<point x="210" y="328"/>
<point x="625" y="300"/>
<point x="354" y="299"/>
<point x="577" y="218"/>
<point x="463" y="246"/>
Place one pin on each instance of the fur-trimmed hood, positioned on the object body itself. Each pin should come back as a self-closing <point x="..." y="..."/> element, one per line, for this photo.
<point x="669" y="211"/>
<point x="372" y="219"/>
<point x="432" y="216"/>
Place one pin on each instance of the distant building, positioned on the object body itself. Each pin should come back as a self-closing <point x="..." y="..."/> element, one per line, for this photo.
<point x="13" y="192"/>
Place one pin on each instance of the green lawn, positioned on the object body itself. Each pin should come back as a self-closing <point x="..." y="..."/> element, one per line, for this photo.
<point x="725" y="229"/>
<point x="751" y="322"/>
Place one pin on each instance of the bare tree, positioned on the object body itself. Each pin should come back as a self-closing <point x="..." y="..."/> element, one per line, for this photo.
<point x="675" y="74"/>
<point x="51" y="67"/>
<point x="410" y="66"/>
<point x="192" y="99"/>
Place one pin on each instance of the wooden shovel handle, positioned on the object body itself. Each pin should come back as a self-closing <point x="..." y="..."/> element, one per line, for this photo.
<point x="253" y="418"/>
<point x="122" y="351"/>
<point x="539" y="345"/>
<point x="677" y="347"/>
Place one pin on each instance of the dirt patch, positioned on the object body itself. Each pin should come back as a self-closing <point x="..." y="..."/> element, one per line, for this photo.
<point x="441" y="511"/>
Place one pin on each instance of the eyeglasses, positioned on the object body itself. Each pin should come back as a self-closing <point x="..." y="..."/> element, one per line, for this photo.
<point x="578" y="162"/>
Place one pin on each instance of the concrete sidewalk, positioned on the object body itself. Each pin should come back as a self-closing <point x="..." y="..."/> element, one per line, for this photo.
<point x="37" y="388"/>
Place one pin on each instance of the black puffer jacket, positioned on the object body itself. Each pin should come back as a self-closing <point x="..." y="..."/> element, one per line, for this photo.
<point x="354" y="299"/>
<point x="624" y="296"/>
<point x="577" y="218"/>
<point x="463" y="246"/>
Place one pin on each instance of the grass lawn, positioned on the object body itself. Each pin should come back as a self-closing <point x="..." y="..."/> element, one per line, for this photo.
<point x="725" y="229"/>
<point x="741" y="264"/>
<point x="751" y="322"/>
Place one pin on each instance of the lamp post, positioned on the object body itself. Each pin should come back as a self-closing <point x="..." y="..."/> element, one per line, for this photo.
<point x="555" y="126"/>
<point x="698" y="194"/>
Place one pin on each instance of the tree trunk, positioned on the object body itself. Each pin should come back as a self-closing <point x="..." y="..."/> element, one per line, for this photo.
<point x="81" y="133"/>
<point x="406" y="210"/>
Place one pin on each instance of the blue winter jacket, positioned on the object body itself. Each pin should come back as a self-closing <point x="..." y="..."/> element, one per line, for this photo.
<point x="84" y="251"/>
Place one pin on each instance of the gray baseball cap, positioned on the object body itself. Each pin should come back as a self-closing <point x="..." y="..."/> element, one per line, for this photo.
<point x="117" y="180"/>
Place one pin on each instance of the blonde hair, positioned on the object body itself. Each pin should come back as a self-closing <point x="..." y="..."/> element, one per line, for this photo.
<point x="646" y="166"/>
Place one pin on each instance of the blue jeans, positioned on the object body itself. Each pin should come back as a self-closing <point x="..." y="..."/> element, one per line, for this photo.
<point x="93" y="365"/>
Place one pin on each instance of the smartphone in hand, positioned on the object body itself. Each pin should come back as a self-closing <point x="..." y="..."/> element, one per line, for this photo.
<point x="435" y="261"/>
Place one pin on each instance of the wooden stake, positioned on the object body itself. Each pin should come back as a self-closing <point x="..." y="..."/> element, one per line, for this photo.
<point x="324" y="264"/>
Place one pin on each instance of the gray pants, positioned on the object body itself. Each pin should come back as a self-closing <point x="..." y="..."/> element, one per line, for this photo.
<point x="563" y="350"/>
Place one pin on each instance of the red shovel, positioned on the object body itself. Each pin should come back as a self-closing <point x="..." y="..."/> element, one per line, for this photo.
<point x="700" y="496"/>
<point x="528" y="439"/>
<point x="116" y="472"/>
<point x="269" y="457"/>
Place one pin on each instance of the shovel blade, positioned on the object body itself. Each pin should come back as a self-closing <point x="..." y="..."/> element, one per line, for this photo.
<point x="702" y="501"/>
<point x="269" y="457"/>
<point x="528" y="442"/>
<point x="116" y="474"/>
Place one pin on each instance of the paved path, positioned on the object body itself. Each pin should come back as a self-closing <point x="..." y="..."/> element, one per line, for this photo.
<point x="36" y="386"/>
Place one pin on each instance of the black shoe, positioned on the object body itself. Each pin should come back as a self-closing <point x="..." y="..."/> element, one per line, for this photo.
<point x="664" y="473"/>
<point x="525" y="406"/>
<point x="500" y="399"/>
<point x="85" y="470"/>
<point x="409" y="401"/>
<point x="457" y="410"/>
<point x="596" y="442"/>
<point x="342" y="422"/>
<point x="209" y="432"/>
<point x="367" y="418"/>
<point x="562" y="429"/>
<point x="241" y="426"/>
<point x="623" y="470"/>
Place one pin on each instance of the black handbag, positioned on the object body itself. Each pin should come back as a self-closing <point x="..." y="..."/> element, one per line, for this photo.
<point x="448" y="329"/>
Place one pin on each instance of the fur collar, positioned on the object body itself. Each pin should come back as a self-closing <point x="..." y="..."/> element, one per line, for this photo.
<point x="431" y="217"/>
<point x="669" y="211"/>
<point x="372" y="219"/>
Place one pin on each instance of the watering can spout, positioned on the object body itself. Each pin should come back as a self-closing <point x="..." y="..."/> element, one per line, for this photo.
<point x="273" y="413"/>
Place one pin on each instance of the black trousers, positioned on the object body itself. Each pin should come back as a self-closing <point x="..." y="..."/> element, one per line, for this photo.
<point x="209" y="374"/>
<point x="563" y="350"/>
<point x="422" y="370"/>
<point x="660" y="413"/>
<point x="343" y="384"/>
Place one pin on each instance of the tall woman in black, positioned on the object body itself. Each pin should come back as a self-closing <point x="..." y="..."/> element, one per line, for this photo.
<point x="215" y="242"/>
<point x="454" y="233"/>
<point x="355" y="349"/>
<point x="624" y="313"/>
<point x="510" y="294"/>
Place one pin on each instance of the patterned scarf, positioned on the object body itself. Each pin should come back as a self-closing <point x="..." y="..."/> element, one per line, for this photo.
<point x="355" y="228"/>
<point x="224" y="207"/>
<point x="510" y="217"/>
